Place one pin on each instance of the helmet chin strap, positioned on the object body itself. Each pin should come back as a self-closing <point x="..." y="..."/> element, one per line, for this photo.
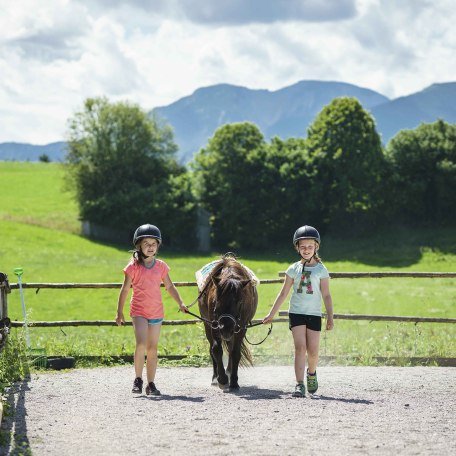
<point x="143" y="255"/>
<point x="309" y="260"/>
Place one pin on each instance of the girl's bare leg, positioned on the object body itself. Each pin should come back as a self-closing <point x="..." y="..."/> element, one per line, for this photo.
<point x="140" y="325"/>
<point x="299" y="338"/>
<point x="313" y="346"/>
<point x="152" y="356"/>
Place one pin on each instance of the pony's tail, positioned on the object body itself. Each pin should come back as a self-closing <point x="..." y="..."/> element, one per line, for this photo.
<point x="246" y="355"/>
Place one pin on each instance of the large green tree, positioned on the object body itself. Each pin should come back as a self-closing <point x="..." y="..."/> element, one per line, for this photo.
<point x="289" y="171"/>
<point x="230" y="186"/>
<point x="424" y="169"/>
<point x="346" y="153"/>
<point x="122" y="165"/>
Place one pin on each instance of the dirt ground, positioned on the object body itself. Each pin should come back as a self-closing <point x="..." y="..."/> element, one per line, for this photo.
<point x="357" y="410"/>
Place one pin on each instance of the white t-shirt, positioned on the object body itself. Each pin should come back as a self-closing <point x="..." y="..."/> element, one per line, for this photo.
<point x="306" y="297"/>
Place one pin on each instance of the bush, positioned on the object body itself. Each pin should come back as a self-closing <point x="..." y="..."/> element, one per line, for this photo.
<point x="13" y="361"/>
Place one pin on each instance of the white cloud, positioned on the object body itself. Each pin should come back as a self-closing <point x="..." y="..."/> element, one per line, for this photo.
<point x="55" y="54"/>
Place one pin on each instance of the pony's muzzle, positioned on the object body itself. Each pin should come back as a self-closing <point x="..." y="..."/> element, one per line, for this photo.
<point x="236" y="328"/>
<point x="215" y="325"/>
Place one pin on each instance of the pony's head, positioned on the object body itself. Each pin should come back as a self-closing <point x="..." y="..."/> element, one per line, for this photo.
<point x="229" y="305"/>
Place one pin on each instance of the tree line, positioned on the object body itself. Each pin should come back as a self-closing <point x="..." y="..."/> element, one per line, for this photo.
<point x="122" y="165"/>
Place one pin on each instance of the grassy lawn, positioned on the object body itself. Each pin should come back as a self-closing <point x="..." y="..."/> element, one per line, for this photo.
<point x="39" y="231"/>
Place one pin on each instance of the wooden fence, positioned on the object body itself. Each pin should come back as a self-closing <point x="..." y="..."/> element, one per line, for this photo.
<point x="6" y="288"/>
<point x="4" y="320"/>
<point x="335" y="275"/>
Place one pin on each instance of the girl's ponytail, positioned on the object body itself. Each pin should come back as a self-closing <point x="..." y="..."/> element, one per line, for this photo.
<point x="138" y="257"/>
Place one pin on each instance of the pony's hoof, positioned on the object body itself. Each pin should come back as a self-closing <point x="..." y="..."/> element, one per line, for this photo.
<point x="234" y="388"/>
<point x="224" y="387"/>
<point x="214" y="382"/>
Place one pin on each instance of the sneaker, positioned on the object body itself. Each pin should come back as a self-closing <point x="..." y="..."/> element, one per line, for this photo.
<point x="312" y="382"/>
<point x="151" y="390"/>
<point x="137" y="386"/>
<point x="300" y="390"/>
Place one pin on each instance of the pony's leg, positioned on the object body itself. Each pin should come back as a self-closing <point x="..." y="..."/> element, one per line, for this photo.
<point x="210" y="339"/>
<point x="217" y="351"/>
<point x="214" y="381"/>
<point x="235" y="357"/>
<point x="230" y="365"/>
<point x="230" y="358"/>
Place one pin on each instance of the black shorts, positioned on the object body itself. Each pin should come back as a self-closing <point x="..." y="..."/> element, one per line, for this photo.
<point x="311" y="321"/>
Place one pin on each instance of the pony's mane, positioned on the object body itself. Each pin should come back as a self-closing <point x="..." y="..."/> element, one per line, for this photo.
<point x="229" y="268"/>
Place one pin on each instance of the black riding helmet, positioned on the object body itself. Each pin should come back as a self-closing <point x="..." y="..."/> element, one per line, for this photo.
<point x="147" y="231"/>
<point x="306" y="232"/>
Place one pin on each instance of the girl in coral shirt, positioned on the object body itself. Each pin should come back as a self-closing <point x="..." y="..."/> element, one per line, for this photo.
<point x="145" y="273"/>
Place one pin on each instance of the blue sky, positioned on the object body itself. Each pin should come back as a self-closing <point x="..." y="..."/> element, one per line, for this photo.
<point x="56" y="53"/>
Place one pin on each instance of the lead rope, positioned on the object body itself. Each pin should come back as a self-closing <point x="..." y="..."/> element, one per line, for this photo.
<point x="251" y="325"/>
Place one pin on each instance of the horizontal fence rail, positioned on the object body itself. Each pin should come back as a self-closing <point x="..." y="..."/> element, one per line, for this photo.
<point x="53" y="324"/>
<point x="405" y="319"/>
<point x="384" y="275"/>
<point x="334" y="275"/>
<point x="283" y="313"/>
<point x="38" y="286"/>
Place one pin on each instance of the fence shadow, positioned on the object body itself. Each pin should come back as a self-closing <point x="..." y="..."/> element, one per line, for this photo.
<point x="14" y="439"/>
<point x="169" y="397"/>
<point x="406" y="247"/>
<point x="316" y="397"/>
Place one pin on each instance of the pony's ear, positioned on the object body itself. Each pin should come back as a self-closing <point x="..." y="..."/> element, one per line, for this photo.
<point x="245" y="283"/>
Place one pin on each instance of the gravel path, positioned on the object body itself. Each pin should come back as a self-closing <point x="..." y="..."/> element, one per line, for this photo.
<point x="359" y="410"/>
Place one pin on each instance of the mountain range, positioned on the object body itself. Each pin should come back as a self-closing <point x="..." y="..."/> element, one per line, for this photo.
<point x="285" y="113"/>
<point x="31" y="152"/>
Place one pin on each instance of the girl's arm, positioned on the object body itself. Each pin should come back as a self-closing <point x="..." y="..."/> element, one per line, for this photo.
<point x="122" y="297"/>
<point x="324" y="287"/>
<point x="279" y="299"/>
<point x="172" y="290"/>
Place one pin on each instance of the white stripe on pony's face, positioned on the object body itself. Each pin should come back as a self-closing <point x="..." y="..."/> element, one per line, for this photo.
<point x="227" y="307"/>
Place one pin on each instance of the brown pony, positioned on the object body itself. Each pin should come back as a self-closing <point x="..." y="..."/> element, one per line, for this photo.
<point x="228" y="304"/>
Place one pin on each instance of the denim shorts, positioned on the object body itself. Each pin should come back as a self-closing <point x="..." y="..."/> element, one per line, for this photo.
<point x="311" y="321"/>
<point x="154" y="321"/>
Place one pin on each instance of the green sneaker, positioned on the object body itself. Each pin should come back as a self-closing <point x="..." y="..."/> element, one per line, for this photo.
<point x="300" y="390"/>
<point x="312" y="382"/>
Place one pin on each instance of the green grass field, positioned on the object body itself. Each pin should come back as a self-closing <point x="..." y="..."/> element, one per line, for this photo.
<point x="39" y="231"/>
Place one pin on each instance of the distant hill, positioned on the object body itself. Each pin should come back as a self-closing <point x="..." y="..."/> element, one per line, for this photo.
<point x="29" y="152"/>
<point x="437" y="101"/>
<point x="285" y="113"/>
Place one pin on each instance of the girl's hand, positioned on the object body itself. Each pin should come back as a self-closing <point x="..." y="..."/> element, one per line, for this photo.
<point x="268" y="318"/>
<point x="183" y="308"/>
<point x="329" y="324"/>
<point x="120" y="320"/>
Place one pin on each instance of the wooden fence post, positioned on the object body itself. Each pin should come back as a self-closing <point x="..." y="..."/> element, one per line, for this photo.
<point x="4" y="320"/>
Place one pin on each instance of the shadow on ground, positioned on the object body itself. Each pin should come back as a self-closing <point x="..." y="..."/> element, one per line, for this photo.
<point x="253" y="393"/>
<point x="394" y="248"/>
<point x="14" y="440"/>
<point x="341" y="399"/>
